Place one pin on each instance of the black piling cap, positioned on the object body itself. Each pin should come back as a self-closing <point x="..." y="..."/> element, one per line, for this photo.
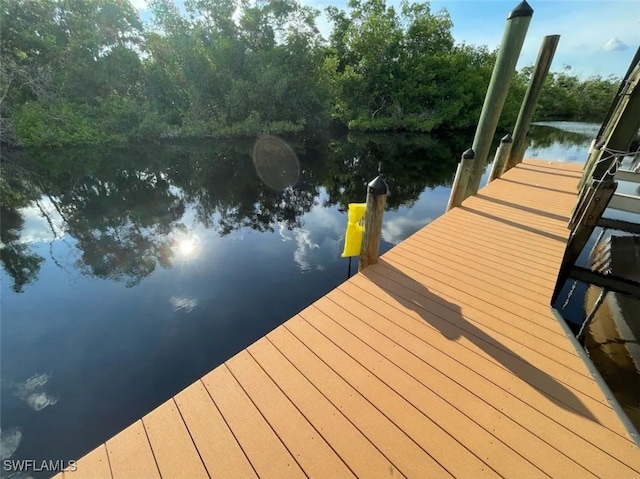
<point x="523" y="9"/>
<point x="469" y="154"/>
<point x="378" y="186"/>
<point x="507" y="138"/>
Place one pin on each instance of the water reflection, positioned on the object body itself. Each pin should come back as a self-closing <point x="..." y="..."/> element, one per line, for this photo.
<point x="130" y="272"/>
<point x="276" y="163"/>
<point x="397" y="229"/>
<point x="33" y="392"/>
<point x="545" y="135"/>
<point x="568" y="144"/>
<point x="123" y="210"/>
<point x="183" y="303"/>
<point x="410" y="165"/>
<point x="9" y="442"/>
<point x="188" y="247"/>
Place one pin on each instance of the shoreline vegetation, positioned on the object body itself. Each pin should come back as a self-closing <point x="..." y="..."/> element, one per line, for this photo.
<point x="87" y="72"/>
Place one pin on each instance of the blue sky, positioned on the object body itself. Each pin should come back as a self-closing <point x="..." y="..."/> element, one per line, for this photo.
<point x="597" y="37"/>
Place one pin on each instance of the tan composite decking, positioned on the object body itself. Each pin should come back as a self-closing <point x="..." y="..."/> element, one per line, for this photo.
<point x="443" y="360"/>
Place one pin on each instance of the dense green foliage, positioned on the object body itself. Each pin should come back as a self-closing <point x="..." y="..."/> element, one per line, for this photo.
<point x="403" y="70"/>
<point x="566" y="97"/>
<point x="90" y="71"/>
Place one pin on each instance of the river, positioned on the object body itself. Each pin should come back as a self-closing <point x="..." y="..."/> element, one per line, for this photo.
<point x="128" y="273"/>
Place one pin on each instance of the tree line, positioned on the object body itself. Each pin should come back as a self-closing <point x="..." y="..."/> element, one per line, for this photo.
<point x="90" y="71"/>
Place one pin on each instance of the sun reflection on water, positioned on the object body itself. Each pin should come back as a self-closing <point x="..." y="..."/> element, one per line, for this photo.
<point x="187" y="247"/>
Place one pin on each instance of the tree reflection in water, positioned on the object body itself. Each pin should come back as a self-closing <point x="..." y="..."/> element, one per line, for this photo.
<point x="123" y="209"/>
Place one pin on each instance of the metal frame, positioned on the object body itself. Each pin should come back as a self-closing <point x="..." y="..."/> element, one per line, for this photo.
<point x="597" y="192"/>
<point x="606" y="281"/>
<point x="597" y="377"/>
<point x="623" y="202"/>
<point x="620" y="225"/>
<point x="628" y="175"/>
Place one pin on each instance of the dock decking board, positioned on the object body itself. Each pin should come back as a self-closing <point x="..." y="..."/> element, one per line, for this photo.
<point x="221" y="453"/>
<point x="473" y="374"/>
<point x="360" y="455"/>
<point x="443" y="360"/>
<point x="487" y="258"/>
<point x="513" y="333"/>
<point x="265" y="450"/>
<point x="490" y="252"/>
<point x="130" y="454"/>
<point x="94" y="464"/>
<point x="470" y="348"/>
<point x="311" y="451"/>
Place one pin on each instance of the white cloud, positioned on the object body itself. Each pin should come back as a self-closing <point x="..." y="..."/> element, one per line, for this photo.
<point x="615" y="45"/>
<point x="32" y="392"/>
<point x="397" y="229"/>
<point x="582" y="48"/>
<point x="320" y="242"/>
<point x="304" y="248"/>
<point x="283" y="231"/>
<point x="36" y="227"/>
<point x="310" y="255"/>
<point x="9" y="442"/>
<point x="139" y="4"/>
<point x="34" y="382"/>
<point x="183" y="303"/>
<point x="320" y="217"/>
<point x="39" y="401"/>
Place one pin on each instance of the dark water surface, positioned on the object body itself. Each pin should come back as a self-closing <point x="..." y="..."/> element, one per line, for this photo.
<point x="128" y="273"/>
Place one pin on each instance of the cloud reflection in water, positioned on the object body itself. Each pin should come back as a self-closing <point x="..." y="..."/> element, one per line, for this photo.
<point x="33" y="393"/>
<point x="183" y="303"/>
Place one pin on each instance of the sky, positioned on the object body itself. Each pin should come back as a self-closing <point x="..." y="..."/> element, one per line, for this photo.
<point x="597" y="37"/>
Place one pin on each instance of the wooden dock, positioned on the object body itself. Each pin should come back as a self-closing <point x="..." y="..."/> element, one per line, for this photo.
<point x="443" y="360"/>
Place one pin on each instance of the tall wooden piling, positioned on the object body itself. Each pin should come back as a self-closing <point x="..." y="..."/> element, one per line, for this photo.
<point x="465" y="167"/>
<point x="515" y="31"/>
<point x="540" y="72"/>
<point x="502" y="155"/>
<point x="377" y="191"/>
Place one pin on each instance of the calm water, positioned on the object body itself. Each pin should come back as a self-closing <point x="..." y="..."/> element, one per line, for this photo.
<point x="129" y="273"/>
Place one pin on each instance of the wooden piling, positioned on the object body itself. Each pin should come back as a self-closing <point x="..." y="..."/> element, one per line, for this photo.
<point x="465" y="167"/>
<point x="540" y="72"/>
<point x="515" y="31"/>
<point x="502" y="154"/>
<point x="377" y="191"/>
